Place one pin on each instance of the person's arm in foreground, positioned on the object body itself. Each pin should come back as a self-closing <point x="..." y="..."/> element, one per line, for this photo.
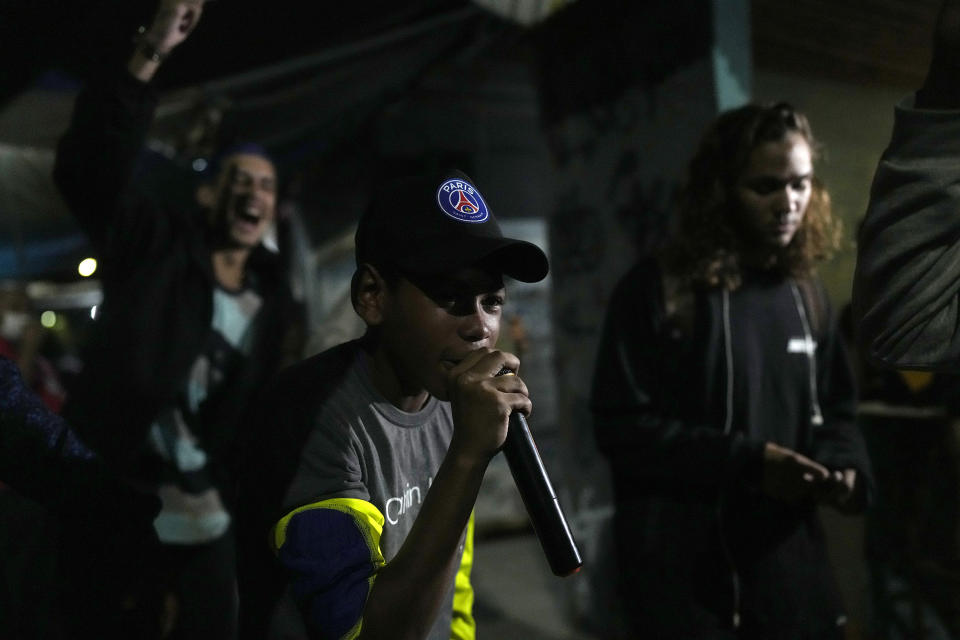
<point x="907" y="279"/>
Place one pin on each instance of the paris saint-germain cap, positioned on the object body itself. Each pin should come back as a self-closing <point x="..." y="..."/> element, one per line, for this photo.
<point x="430" y="226"/>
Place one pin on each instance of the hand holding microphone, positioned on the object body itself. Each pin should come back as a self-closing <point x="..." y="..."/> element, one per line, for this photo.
<point x="473" y="395"/>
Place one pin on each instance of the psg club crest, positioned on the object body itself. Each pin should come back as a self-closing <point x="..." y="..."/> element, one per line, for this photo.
<point x="461" y="201"/>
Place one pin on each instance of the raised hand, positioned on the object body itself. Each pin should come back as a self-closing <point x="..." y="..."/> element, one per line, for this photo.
<point x="173" y="22"/>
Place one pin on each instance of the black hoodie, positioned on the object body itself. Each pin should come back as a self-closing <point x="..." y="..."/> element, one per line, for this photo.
<point x="683" y="407"/>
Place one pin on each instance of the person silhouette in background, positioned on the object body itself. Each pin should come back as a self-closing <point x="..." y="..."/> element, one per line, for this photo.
<point x="196" y="315"/>
<point x="101" y="582"/>
<point x="724" y="401"/>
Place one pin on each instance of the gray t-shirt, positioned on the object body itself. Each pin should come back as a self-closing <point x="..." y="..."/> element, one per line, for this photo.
<point x="363" y="447"/>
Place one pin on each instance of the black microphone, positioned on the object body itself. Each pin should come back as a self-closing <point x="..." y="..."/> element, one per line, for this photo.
<point x="538" y="496"/>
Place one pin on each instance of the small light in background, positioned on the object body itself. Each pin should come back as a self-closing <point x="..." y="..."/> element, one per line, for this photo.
<point x="93" y="312"/>
<point x="199" y="165"/>
<point x="48" y="319"/>
<point x="87" y="267"/>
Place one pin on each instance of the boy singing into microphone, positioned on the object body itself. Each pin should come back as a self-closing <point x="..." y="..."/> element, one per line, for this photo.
<point x="371" y="454"/>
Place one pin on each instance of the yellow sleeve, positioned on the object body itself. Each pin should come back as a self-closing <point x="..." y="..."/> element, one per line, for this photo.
<point x="463" y="626"/>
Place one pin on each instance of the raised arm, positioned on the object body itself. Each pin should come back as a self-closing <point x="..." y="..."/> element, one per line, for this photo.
<point x="97" y="154"/>
<point x="907" y="278"/>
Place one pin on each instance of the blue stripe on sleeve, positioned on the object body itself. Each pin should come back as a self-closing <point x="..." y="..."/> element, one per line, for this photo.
<point x="332" y="555"/>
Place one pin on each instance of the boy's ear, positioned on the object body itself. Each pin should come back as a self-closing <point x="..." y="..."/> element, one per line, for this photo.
<point x="368" y="291"/>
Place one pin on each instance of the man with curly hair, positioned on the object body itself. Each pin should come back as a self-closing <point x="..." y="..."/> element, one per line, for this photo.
<point x="196" y="316"/>
<point x="725" y="403"/>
